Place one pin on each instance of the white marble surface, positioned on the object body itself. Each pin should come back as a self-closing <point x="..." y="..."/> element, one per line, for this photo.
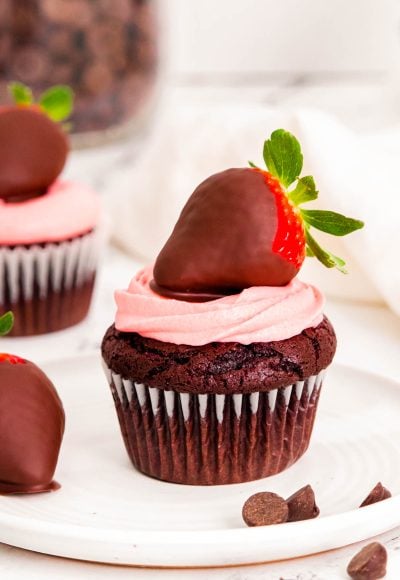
<point x="369" y="337"/>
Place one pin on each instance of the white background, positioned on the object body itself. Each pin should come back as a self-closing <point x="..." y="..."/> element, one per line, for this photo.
<point x="230" y="37"/>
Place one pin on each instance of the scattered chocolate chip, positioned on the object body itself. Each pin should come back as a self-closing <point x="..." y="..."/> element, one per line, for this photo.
<point x="379" y="493"/>
<point x="302" y="505"/>
<point x="264" y="509"/>
<point x="369" y="563"/>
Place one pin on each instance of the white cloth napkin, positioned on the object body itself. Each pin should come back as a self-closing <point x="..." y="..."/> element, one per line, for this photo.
<point x="355" y="175"/>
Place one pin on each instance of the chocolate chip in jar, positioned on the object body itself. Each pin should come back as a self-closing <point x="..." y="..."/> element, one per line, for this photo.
<point x="106" y="38"/>
<point x="31" y="65"/>
<point x="121" y="9"/>
<point x="5" y="13"/>
<point x="64" y="74"/>
<point x="24" y="21"/>
<point x="146" y="17"/>
<point x="72" y="12"/>
<point x="134" y="91"/>
<point x="99" y="115"/>
<point x="5" y="48"/>
<point x="146" y="54"/>
<point x="61" y="41"/>
<point x="97" y="78"/>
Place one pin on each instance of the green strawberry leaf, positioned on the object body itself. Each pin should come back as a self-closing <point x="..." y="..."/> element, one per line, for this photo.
<point x="57" y="102"/>
<point x="283" y="156"/>
<point x="331" y="222"/>
<point x="21" y="94"/>
<point x="309" y="252"/>
<point x="6" y="323"/>
<point x="304" y="191"/>
<point x="253" y="165"/>
<point x="326" y="258"/>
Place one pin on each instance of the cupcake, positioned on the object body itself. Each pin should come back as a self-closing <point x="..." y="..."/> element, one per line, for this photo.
<point x="219" y="352"/>
<point x="49" y="227"/>
<point x="31" y="424"/>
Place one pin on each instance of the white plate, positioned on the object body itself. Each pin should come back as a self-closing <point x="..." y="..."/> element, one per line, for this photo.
<point x="108" y="512"/>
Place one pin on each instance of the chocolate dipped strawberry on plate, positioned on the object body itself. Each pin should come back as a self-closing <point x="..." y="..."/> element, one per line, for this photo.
<point x="31" y="424"/>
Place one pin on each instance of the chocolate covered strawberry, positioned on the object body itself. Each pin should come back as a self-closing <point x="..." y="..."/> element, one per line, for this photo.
<point x="31" y="424"/>
<point x="33" y="145"/>
<point x="246" y="227"/>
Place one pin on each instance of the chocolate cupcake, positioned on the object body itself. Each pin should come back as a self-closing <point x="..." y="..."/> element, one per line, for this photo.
<point x="49" y="227"/>
<point x="218" y="354"/>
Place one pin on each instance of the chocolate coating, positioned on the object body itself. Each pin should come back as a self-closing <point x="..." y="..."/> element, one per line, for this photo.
<point x="222" y="241"/>
<point x="31" y="428"/>
<point x="219" y="368"/>
<point x="33" y="151"/>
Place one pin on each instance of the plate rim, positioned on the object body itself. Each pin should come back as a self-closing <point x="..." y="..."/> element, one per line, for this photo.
<point x="348" y="523"/>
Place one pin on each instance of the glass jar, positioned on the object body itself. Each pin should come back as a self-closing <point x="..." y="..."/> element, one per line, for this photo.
<point x="105" y="50"/>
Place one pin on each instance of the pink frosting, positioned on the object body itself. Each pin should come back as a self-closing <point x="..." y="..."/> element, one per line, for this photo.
<point x="65" y="211"/>
<point x="257" y="314"/>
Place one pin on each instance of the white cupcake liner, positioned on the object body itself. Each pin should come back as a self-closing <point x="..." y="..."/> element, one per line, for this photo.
<point x="159" y="399"/>
<point x="208" y="439"/>
<point x="52" y="267"/>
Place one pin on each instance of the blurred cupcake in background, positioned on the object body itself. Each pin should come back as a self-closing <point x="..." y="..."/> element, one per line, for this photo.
<point x="49" y="228"/>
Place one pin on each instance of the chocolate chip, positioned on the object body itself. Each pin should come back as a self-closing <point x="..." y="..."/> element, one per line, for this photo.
<point x="97" y="77"/>
<point x="264" y="509"/>
<point x="369" y="563"/>
<point x="302" y="505"/>
<point x="379" y="493"/>
<point x="62" y="12"/>
<point x="30" y="64"/>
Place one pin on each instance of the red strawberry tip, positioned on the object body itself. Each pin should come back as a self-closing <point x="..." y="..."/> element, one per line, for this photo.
<point x="11" y="358"/>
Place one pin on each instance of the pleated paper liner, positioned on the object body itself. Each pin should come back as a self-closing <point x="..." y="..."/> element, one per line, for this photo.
<point x="215" y="439"/>
<point x="49" y="286"/>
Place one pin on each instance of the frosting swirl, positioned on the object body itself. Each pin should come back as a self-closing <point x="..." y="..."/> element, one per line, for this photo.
<point x="65" y="211"/>
<point x="257" y="314"/>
